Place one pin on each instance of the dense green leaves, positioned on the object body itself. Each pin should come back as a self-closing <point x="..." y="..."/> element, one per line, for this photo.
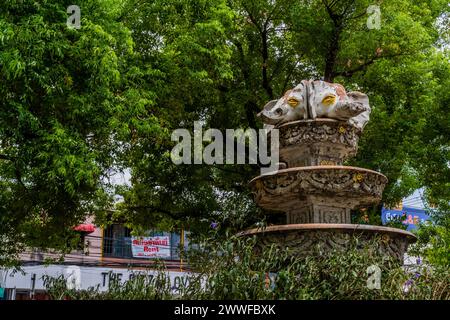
<point x="67" y="97"/>
<point x="229" y="270"/>
<point x="222" y="61"/>
<point x="75" y="104"/>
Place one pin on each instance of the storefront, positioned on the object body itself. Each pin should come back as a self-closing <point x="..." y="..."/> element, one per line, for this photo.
<point x="103" y="255"/>
<point x="119" y="243"/>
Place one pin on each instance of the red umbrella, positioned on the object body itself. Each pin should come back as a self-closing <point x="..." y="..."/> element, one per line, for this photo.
<point x="85" y="227"/>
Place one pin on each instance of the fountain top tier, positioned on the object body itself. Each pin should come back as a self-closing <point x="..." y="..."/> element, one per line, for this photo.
<point x="319" y="123"/>
<point x="317" y="142"/>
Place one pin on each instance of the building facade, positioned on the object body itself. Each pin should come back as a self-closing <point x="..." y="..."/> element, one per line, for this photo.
<point x="103" y="255"/>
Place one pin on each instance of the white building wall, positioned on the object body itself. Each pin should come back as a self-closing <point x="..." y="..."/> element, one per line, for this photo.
<point x="81" y="277"/>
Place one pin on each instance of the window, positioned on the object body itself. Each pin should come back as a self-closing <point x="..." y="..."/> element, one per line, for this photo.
<point x="117" y="242"/>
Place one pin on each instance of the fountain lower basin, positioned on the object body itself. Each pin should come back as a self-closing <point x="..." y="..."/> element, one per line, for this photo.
<point x="302" y="239"/>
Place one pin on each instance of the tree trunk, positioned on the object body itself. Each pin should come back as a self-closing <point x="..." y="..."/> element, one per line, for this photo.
<point x="265" y="57"/>
<point x="333" y="49"/>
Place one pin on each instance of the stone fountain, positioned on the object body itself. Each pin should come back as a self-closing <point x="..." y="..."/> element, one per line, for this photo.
<point x="319" y="127"/>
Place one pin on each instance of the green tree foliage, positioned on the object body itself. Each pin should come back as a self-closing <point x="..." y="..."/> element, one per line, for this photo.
<point x="434" y="244"/>
<point x="76" y="103"/>
<point x="433" y="238"/>
<point x="221" y="61"/>
<point x="67" y="99"/>
<point x="189" y="47"/>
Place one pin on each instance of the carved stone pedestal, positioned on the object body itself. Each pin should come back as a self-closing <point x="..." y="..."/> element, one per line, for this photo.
<point x="315" y="213"/>
<point x="317" y="142"/>
<point x="314" y="189"/>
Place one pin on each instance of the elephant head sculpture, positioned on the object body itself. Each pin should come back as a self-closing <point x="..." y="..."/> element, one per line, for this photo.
<point x="292" y="106"/>
<point x="318" y="99"/>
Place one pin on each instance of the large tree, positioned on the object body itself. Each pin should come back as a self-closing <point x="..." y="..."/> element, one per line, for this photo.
<point x="221" y="61"/>
<point x="68" y="97"/>
<point x="75" y="103"/>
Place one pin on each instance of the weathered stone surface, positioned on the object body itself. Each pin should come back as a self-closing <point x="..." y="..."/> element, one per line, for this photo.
<point x="302" y="239"/>
<point x="315" y="213"/>
<point x="319" y="142"/>
<point x="320" y="126"/>
<point x="334" y="186"/>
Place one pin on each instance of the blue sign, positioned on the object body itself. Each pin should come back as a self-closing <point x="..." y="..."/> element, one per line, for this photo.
<point x="412" y="216"/>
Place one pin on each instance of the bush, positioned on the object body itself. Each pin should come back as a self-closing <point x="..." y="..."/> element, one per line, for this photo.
<point x="433" y="242"/>
<point x="230" y="270"/>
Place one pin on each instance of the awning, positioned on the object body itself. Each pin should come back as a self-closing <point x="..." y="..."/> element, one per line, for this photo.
<point x="85" y="227"/>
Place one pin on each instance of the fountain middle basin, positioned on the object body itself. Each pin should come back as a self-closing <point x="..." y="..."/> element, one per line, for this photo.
<point x="342" y="186"/>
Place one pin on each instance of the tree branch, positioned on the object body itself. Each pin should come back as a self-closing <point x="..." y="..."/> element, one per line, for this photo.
<point x="330" y="12"/>
<point x="17" y="172"/>
<point x="173" y="215"/>
<point x="333" y="3"/>
<point x="252" y="19"/>
<point x="363" y="66"/>
<point x="346" y="9"/>
<point x="251" y="107"/>
<point x="271" y="14"/>
<point x="357" y="16"/>
<point x="277" y="67"/>
<point x="265" y="57"/>
<point x="333" y="48"/>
